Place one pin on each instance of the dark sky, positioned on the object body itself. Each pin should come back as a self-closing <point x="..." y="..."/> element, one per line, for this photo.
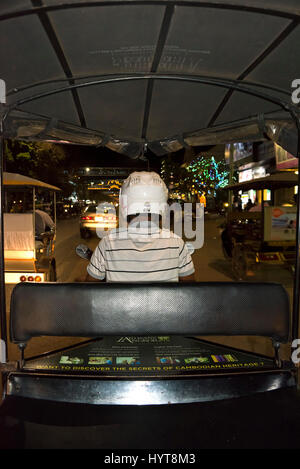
<point x="88" y="156"/>
<point x="91" y="156"/>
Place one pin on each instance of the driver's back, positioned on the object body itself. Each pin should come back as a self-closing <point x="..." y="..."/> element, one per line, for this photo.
<point x="141" y="253"/>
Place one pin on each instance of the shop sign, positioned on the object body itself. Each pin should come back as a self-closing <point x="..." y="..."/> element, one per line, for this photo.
<point x="239" y="151"/>
<point x="280" y="223"/>
<point x="245" y="175"/>
<point x="254" y="173"/>
<point x="284" y="160"/>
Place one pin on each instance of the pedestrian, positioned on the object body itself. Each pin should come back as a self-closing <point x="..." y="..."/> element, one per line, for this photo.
<point x="257" y="206"/>
<point x="141" y="250"/>
<point x="203" y="199"/>
<point x="249" y="205"/>
<point x="237" y="203"/>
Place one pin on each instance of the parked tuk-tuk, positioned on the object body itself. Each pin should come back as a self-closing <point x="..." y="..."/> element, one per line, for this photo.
<point x="150" y="369"/>
<point x="28" y="252"/>
<point x="265" y="236"/>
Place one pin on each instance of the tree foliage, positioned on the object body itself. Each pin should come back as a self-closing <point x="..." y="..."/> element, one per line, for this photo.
<point x="208" y="174"/>
<point x="176" y="177"/>
<point x="202" y="175"/>
<point x="41" y="160"/>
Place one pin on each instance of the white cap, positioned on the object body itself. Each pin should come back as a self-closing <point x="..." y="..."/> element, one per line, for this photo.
<point x="143" y="192"/>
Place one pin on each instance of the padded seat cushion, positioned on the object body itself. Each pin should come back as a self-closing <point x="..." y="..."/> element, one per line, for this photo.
<point x="98" y="309"/>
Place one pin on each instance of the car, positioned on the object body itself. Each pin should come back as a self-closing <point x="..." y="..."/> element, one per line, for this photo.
<point x="98" y="218"/>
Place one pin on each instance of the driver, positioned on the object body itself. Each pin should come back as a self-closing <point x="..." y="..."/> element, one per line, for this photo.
<point x="142" y="251"/>
<point x="43" y="222"/>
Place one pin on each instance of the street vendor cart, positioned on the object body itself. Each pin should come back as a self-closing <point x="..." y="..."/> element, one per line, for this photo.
<point x="29" y="255"/>
<point x="266" y="236"/>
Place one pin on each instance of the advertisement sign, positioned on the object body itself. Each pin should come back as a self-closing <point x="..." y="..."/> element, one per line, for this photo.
<point x="280" y="223"/>
<point x="254" y="173"/>
<point x="284" y="160"/>
<point x="147" y="356"/>
<point x="240" y="151"/>
<point x="245" y="175"/>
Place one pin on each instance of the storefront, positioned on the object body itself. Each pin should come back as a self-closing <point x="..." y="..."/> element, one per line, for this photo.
<point x="248" y="161"/>
<point x="258" y="160"/>
<point x="285" y="162"/>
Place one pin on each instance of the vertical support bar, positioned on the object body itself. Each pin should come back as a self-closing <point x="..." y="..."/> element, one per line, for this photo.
<point x="295" y="316"/>
<point x="22" y="356"/>
<point x="33" y="221"/>
<point x="277" y="359"/>
<point x="2" y="266"/>
<point x="295" y="312"/>
<point x="230" y="181"/>
<point x="54" y="208"/>
<point x="262" y="216"/>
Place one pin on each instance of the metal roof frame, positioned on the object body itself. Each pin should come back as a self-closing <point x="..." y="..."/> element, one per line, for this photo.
<point x="41" y="11"/>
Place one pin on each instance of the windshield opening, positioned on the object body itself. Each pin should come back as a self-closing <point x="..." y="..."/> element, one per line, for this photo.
<point x="233" y="229"/>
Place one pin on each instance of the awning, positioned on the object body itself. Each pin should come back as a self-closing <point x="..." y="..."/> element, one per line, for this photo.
<point x="158" y="74"/>
<point x="274" y="181"/>
<point x="12" y="179"/>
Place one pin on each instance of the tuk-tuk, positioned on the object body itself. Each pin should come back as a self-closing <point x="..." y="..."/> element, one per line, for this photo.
<point x="264" y="236"/>
<point x="28" y="251"/>
<point x="144" y="77"/>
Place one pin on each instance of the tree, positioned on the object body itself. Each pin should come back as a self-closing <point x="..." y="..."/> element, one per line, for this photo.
<point x="201" y="175"/>
<point x="208" y="174"/>
<point x="41" y="160"/>
<point x="176" y="177"/>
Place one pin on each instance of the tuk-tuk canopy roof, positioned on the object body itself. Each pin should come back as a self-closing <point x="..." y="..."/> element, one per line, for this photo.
<point x="157" y="74"/>
<point x="274" y="181"/>
<point x="13" y="179"/>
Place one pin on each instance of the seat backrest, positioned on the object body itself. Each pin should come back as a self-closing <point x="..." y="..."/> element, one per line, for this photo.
<point x="18" y="234"/>
<point x="100" y="309"/>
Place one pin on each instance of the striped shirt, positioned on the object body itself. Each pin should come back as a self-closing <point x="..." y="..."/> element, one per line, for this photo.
<point x="141" y="253"/>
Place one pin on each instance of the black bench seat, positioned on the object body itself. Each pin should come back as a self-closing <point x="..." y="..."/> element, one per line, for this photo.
<point x="122" y="309"/>
<point x="185" y="309"/>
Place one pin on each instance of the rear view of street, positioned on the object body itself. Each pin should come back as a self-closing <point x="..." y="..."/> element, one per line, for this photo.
<point x="210" y="266"/>
<point x="69" y="266"/>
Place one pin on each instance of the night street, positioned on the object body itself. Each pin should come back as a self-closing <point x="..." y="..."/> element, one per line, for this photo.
<point x="210" y="265"/>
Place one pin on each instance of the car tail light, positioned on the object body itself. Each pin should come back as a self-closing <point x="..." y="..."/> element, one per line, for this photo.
<point x="16" y="277"/>
<point x="87" y="218"/>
